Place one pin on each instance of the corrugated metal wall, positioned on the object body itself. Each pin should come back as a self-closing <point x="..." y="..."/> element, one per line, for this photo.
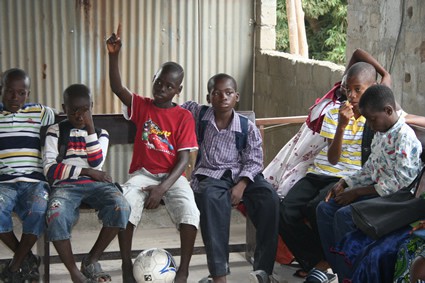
<point x="60" y="42"/>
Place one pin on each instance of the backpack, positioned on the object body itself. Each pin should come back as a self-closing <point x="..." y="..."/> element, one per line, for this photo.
<point x="241" y="138"/>
<point x="64" y="131"/>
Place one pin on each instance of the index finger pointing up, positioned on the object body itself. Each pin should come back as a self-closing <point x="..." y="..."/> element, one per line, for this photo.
<point x="119" y="30"/>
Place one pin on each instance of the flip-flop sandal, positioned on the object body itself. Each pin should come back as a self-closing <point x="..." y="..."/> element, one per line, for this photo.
<point x="300" y="273"/>
<point x="29" y="267"/>
<point x="318" y="276"/>
<point x="94" y="271"/>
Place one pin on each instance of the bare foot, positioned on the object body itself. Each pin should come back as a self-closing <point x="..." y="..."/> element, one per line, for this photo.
<point x="181" y="276"/>
<point x="322" y="265"/>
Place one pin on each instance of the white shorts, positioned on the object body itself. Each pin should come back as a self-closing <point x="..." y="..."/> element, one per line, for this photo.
<point x="179" y="199"/>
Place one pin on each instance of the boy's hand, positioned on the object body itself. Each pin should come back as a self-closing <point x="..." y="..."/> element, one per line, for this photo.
<point x="97" y="175"/>
<point x="236" y="195"/>
<point x="113" y="43"/>
<point x="420" y="226"/>
<point x="345" y="114"/>
<point x="337" y="189"/>
<point x="347" y="197"/>
<point x="156" y="192"/>
<point x="88" y="121"/>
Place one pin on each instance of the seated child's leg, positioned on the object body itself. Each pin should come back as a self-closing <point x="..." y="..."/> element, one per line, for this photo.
<point x="262" y="205"/>
<point x="180" y="203"/>
<point x="417" y="270"/>
<point x="113" y="210"/>
<point x="63" y="211"/>
<point x="214" y="203"/>
<point x="325" y="223"/>
<point x="8" y="198"/>
<point x="27" y="197"/>
<point x="135" y="197"/>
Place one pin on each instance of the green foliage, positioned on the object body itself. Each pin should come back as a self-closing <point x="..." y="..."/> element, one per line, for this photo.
<point x="326" y="28"/>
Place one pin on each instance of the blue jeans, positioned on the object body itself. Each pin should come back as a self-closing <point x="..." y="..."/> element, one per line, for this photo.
<point x="29" y="201"/>
<point x="214" y="202"/>
<point x="334" y="221"/>
<point x="63" y="209"/>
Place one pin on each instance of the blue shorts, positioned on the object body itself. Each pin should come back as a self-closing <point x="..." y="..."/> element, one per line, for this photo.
<point x="63" y="209"/>
<point x="29" y="201"/>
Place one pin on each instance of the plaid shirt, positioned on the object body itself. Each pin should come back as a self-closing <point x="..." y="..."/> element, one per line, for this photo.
<point x="218" y="150"/>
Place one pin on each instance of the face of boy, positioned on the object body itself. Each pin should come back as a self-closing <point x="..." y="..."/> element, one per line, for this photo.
<point x="165" y="86"/>
<point x="14" y="94"/>
<point x="223" y="96"/>
<point x="355" y="87"/>
<point x="380" y="121"/>
<point x="78" y="110"/>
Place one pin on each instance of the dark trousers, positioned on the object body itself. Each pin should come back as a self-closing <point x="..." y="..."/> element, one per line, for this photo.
<point x="297" y="225"/>
<point x="214" y="203"/>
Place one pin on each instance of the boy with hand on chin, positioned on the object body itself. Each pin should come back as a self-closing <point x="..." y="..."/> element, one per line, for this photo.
<point x="23" y="187"/>
<point x="73" y="157"/>
<point x="225" y="175"/>
<point x="165" y="135"/>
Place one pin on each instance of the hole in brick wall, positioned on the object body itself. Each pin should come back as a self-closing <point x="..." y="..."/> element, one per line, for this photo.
<point x="410" y="12"/>
<point x="407" y="77"/>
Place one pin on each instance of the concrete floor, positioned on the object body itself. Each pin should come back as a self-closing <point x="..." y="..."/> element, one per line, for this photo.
<point x="162" y="235"/>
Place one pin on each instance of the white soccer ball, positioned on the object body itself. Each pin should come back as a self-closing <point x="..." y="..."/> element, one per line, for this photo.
<point x="154" y="266"/>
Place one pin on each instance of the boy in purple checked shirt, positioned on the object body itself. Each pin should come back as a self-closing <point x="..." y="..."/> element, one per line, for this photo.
<point x="226" y="175"/>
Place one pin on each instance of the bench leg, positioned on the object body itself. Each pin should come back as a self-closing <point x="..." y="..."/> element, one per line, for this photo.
<point x="43" y="248"/>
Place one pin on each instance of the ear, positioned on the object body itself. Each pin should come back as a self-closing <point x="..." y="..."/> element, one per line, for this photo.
<point x="208" y="98"/>
<point x="63" y="108"/>
<point x="388" y="110"/>
<point x="237" y="97"/>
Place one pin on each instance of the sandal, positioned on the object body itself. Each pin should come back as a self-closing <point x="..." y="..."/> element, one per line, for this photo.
<point x="29" y="268"/>
<point x="8" y="276"/>
<point x="94" y="272"/>
<point x="318" y="276"/>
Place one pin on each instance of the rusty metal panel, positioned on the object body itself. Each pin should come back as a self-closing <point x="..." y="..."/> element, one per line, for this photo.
<point x="60" y="42"/>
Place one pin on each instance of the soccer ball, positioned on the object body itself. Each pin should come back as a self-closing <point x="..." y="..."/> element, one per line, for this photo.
<point x="154" y="266"/>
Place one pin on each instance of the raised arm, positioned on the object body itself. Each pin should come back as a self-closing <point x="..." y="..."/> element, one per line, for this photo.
<point x="113" y="44"/>
<point x="360" y="55"/>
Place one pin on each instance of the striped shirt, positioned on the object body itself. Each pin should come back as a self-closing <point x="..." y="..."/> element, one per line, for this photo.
<point x="83" y="151"/>
<point x="218" y="150"/>
<point x="20" y="149"/>
<point x="394" y="161"/>
<point x="350" y="160"/>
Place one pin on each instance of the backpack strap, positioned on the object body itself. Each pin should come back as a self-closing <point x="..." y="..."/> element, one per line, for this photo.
<point x="201" y="125"/>
<point x="367" y="137"/>
<point x="242" y="138"/>
<point x="64" y="131"/>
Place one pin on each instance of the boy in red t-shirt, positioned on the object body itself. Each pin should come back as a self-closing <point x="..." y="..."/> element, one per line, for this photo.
<point x="165" y="136"/>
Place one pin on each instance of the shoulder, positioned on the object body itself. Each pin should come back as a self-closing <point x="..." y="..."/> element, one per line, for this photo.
<point x="53" y="129"/>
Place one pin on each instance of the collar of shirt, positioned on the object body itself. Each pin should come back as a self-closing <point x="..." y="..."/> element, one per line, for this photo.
<point x="235" y="124"/>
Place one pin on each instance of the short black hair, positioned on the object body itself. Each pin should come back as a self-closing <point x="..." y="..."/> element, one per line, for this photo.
<point x="212" y="81"/>
<point x="363" y="70"/>
<point x="173" y="67"/>
<point x="76" y="91"/>
<point x="15" y="74"/>
<point x="376" y="97"/>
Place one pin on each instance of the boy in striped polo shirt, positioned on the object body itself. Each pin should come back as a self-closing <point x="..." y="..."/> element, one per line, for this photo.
<point x="23" y="187"/>
<point x="343" y="128"/>
<point x="75" y="167"/>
